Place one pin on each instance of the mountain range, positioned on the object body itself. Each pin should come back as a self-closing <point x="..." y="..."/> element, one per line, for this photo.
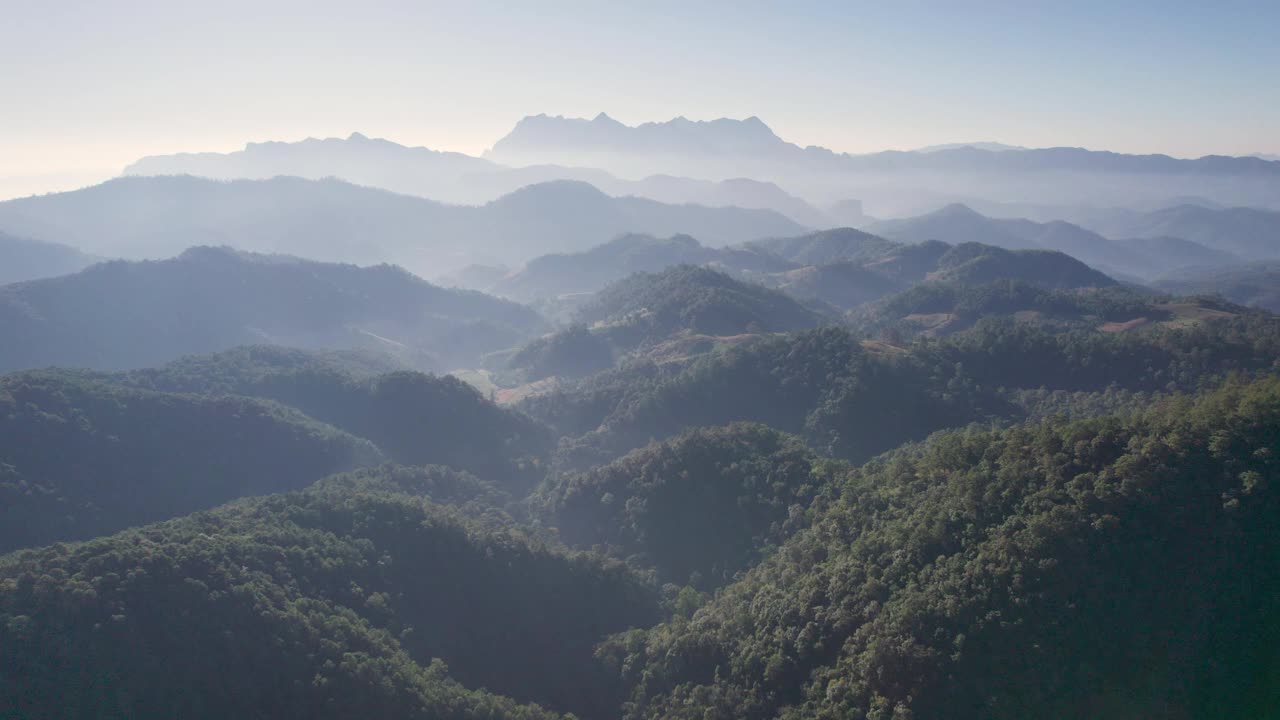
<point x="1148" y="244"/>
<point x="744" y="163"/>
<point x="333" y="220"/>
<point x="23" y="259"/>
<point x="451" y="177"/>
<point x="124" y="314"/>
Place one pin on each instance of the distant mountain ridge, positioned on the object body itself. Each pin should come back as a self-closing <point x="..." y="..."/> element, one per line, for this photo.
<point x="24" y="259"/>
<point x="542" y="134"/>
<point x="1155" y="249"/>
<point x="336" y="221"/>
<point x="453" y="177"/>
<point x="121" y="315"/>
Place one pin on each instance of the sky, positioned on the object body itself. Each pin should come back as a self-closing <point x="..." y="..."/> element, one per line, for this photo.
<point x="88" y="87"/>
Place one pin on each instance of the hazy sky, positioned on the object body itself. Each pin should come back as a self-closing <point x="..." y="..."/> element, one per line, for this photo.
<point x="89" y="86"/>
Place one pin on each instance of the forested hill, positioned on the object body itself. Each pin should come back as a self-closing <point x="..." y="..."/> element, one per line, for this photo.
<point x="346" y="600"/>
<point x="81" y="457"/>
<point x="593" y="269"/>
<point x="414" y="418"/>
<point x="1112" y="568"/>
<point x="675" y="314"/>
<point x="697" y="509"/>
<point x="698" y="299"/>
<point x="855" y="398"/>
<point x="210" y="299"/>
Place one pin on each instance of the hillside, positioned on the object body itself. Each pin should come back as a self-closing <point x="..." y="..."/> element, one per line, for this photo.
<point x="210" y="299"/>
<point x="23" y="259"/>
<point x="843" y="285"/>
<point x="1053" y="570"/>
<point x="975" y="264"/>
<point x="347" y="599"/>
<point x="593" y="269"/>
<point x="331" y="220"/>
<point x="1143" y="257"/>
<point x="673" y="314"/>
<point x="853" y="399"/>
<point x="1249" y="233"/>
<point x="957" y="224"/>
<point x="698" y="509"/>
<point x="81" y="457"/>
<point x="827" y="246"/>
<point x="1256" y="284"/>
<point x="412" y="417"/>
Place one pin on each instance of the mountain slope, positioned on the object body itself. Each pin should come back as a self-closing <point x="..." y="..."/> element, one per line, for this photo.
<point x="1053" y="570"/>
<point x="80" y="457"/>
<point x="210" y="299"/>
<point x="1143" y="255"/>
<point x="23" y="259"/>
<point x="413" y="418"/>
<point x="956" y="224"/>
<point x="1256" y="284"/>
<point x="343" y="600"/>
<point x="696" y="299"/>
<point x="593" y="269"/>
<point x="698" y="508"/>
<point x="1250" y="233"/>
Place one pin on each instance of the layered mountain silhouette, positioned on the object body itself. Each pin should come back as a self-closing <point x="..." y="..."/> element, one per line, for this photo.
<point x="1152" y="253"/>
<point x="25" y="259"/>
<point x="539" y="135"/>
<point x="591" y="270"/>
<point x="458" y="178"/>
<point x="333" y="220"/>
<point x="1250" y="233"/>
<point x="123" y="314"/>
<point x="893" y="180"/>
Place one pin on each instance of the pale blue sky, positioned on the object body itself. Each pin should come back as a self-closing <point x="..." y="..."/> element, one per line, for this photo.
<point x="89" y="86"/>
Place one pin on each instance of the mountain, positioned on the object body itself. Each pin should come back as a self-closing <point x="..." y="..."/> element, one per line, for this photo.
<point x="1248" y="233"/>
<point x="842" y="284"/>
<point x="974" y="264"/>
<point x="1256" y="284"/>
<point x="854" y="398"/>
<point x="988" y="145"/>
<point x="700" y="300"/>
<point x="456" y="177"/>
<point x="956" y="224"/>
<point x="412" y="417"/>
<point x="23" y="259"/>
<point x="827" y="246"/>
<point x="331" y="220"/>
<point x="593" y="269"/>
<point x="1060" y="570"/>
<point x="210" y="299"/>
<point x="80" y="457"/>
<point x="1168" y="254"/>
<point x="357" y="159"/>
<point x="1147" y="256"/>
<point x="890" y="182"/>
<point x="360" y="596"/>
<point x="538" y="137"/>
<point x="672" y="315"/>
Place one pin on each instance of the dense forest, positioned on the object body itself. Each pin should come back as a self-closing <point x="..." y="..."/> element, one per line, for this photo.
<point x="1111" y="568"/>
<point x="821" y="476"/>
